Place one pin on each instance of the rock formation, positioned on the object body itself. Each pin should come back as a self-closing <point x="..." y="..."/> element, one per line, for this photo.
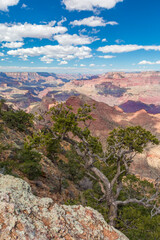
<point x="106" y="118"/>
<point x="110" y="88"/>
<point x="24" y="216"/>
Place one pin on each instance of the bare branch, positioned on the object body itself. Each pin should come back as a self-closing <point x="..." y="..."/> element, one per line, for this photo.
<point x="102" y="177"/>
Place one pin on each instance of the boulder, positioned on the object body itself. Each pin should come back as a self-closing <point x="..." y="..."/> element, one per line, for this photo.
<point x="24" y="216"/>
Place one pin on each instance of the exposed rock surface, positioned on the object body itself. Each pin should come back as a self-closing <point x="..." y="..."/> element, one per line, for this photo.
<point x="107" y="118"/>
<point x="24" y="216"/>
<point x="26" y="89"/>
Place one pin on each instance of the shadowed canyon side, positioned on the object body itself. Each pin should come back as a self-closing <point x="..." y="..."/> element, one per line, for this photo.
<point x="107" y="118"/>
<point x="25" y="216"/>
<point x="118" y="88"/>
<point x="134" y="106"/>
<point x="131" y="91"/>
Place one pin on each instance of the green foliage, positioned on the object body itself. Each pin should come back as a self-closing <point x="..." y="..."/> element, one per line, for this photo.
<point x="65" y="120"/>
<point x="122" y="144"/>
<point x="6" y="167"/>
<point x="45" y="141"/>
<point x="2" y="101"/>
<point x="65" y="183"/>
<point x="29" y="163"/>
<point x="72" y="170"/>
<point x="136" y="223"/>
<point x="130" y="138"/>
<point x="19" y="119"/>
<point x="90" y="197"/>
<point x="136" y="188"/>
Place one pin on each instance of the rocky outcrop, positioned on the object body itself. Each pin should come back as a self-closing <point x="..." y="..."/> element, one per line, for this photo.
<point x="24" y="216"/>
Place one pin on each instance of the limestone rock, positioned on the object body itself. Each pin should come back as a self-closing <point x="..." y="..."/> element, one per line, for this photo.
<point x="24" y="216"/>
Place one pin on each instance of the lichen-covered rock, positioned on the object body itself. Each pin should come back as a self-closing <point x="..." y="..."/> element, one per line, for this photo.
<point x="24" y="216"/>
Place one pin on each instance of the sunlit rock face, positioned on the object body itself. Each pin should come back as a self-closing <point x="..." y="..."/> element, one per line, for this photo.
<point x="24" y="216"/>
<point x="106" y="118"/>
<point x="115" y="89"/>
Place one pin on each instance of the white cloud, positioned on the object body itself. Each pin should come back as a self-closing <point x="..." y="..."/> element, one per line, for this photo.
<point x="63" y="63"/>
<point x="24" y="5"/>
<point x="90" y="4"/>
<point x="144" y="62"/>
<point x="126" y="48"/>
<point x="56" y="52"/>
<point x="4" y="4"/>
<point x="12" y="45"/>
<point x="67" y="39"/>
<point x="92" y="22"/>
<point x="1" y="54"/>
<point x="64" y="19"/>
<point x="46" y="59"/>
<point x="24" y="57"/>
<point x="17" y="32"/>
<point x="107" y="56"/>
<point x="104" y="40"/>
<point x="92" y="65"/>
<point x="118" y="41"/>
<point x="112" y="23"/>
<point x="82" y="65"/>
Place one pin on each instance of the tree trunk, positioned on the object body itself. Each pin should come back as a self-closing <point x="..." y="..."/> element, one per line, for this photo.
<point x="112" y="214"/>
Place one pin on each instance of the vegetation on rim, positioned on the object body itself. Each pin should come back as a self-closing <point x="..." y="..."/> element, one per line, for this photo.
<point x="126" y="202"/>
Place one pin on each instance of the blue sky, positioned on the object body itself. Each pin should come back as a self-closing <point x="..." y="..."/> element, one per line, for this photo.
<point x="84" y="36"/>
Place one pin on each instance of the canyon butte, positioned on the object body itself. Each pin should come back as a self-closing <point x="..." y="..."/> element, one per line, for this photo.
<point x="119" y="100"/>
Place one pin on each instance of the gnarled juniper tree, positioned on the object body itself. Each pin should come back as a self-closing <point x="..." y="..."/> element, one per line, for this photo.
<point x="122" y="145"/>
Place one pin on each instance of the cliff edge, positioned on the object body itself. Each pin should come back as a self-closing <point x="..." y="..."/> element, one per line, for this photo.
<point x="24" y="216"/>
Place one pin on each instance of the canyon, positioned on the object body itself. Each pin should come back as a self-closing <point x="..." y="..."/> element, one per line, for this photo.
<point x="120" y="99"/>
<point x="115" y="89"/>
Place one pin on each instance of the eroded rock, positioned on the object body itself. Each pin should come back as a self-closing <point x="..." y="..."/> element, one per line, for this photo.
<point x="24" y="216"/>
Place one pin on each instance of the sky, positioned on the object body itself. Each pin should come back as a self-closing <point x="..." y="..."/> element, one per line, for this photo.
<point x="79" y="36"/>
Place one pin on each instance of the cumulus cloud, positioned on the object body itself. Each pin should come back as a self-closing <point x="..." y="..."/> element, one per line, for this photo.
<point x="92" y="65"/>
<point x="82" y="65"/>
<point x="104" y="40"/>
<point x="46" y="59"/>
<point x="12" y="45"/>
<point x="144" y="62"/>
<point x="1" y="54"/>
<point x="64" y="19"/>
<point x="107" y="56"/>
<point x="67" y="39"/>
<point x="56" y="52"/>
<point x="89" y="4"/>
<point x="63" y="63"/>
<point x="93" y="22"/>
<point x="126" y="48"/>
<point x="4" y="4"/>
<point x="17" y="32"/>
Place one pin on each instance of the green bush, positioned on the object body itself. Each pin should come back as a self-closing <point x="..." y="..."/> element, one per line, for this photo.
<point x="29" y="163"/>
<point x="72" y="170"/>
<point x="136" y="223"/>
<point x="19" y="120"/>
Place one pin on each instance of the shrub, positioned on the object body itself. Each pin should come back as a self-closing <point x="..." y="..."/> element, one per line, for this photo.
<point x="29" y="163"/>
<point x="19" y="120"/>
